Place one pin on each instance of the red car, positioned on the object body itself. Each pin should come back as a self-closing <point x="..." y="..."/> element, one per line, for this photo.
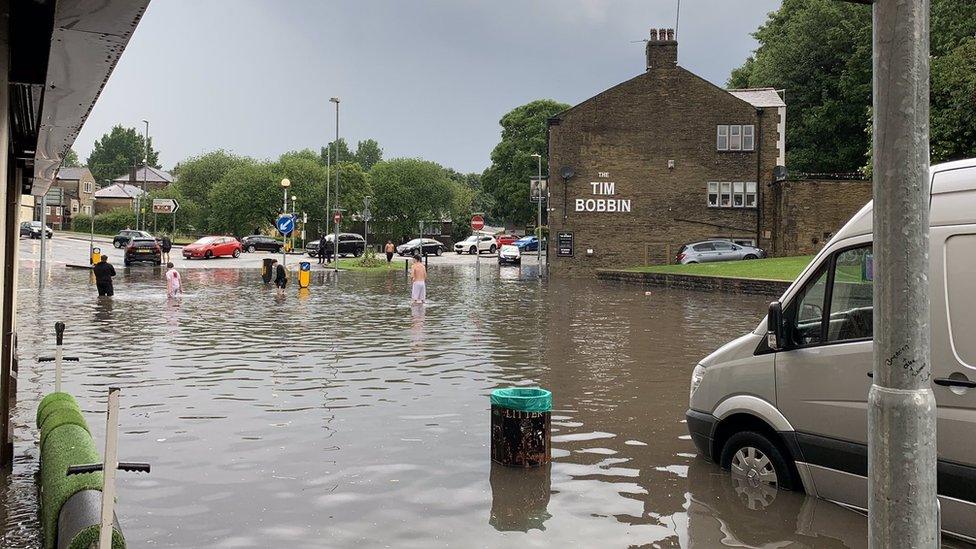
<point x="213" y="246"/>
<point x="506" y="239"/>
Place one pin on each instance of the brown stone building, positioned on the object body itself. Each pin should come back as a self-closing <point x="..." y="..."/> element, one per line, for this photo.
<point x="117" y="196"/>
<point x="150" y="178"/>
<point x="664" y="159"/>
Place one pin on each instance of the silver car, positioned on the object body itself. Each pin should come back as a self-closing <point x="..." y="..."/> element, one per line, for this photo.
<point x="709" y="251"/>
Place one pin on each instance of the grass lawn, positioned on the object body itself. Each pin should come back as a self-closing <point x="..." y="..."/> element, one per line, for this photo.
<point x="778" y="268"/>
<point x="354" y="264"/>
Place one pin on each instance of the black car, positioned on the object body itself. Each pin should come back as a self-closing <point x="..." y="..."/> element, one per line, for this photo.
<point x="122" y="239"/>
<point x="349" y="244"/>
<point x="143" y="250"/>
<point x="32" y="229"/>
<point x="431" y="247"/>
<point x="259" y="242"/>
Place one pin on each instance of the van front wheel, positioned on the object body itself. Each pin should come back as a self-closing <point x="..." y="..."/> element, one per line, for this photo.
<point x="754" y="458"/>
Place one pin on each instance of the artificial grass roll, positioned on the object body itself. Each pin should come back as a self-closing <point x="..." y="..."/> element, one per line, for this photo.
<point x="88" y="538"/>
<point x="43" y="408"/>
<point x="68" y="414"/>
<point x="67" y="445"/>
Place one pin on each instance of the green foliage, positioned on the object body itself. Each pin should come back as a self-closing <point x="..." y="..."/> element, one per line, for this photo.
<point x="110" y="222"/>
<point x="334" y="148"/>
<point x="819" y="51"/>
<point x="369" y="260"/>
<point x="70" y="160"/>
<point x="117" y="152"/>
<point x="407" y="191"/>
<point x="245" y="197"/>
<point x="512" y="166"/>
<point x="81" y="223"/>
<point x="198" y="174"/>
<point x="368" y="153"/>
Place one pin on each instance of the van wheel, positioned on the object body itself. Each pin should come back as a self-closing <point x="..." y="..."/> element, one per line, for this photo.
<point x="753" y="457"/>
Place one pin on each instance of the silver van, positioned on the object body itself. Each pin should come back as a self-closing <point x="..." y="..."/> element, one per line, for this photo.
<point x="796" y="417"/>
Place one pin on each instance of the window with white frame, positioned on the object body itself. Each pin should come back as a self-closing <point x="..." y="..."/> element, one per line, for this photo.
<point x="725" y="200"/>
<point x="750" y="195"/>
<point x="748" y="138"/>
<point x="713" y="194"/>
<point x="88" y="187"/>
<point x="738" y="194"/>
<point x="722" y="139"/>
<point x="735" y="138"/>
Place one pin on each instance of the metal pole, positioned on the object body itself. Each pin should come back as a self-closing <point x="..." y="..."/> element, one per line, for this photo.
<point x="145" y="173"/>
<point x="335" y="241"/>
<point x="538" y="224"/>
<point x="902" y="503"/>
<point x="40" y="280"/>
<point x="91" y="237"/>
<point x="284" y="238"/>
<point x="366" y="224"/>
<point x="328" y="191"/>
<point x="58" y="354"/>
<point x="109" y="468"/>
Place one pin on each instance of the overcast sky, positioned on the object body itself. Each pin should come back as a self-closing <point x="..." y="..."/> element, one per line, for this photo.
<point x="425" y="78"/>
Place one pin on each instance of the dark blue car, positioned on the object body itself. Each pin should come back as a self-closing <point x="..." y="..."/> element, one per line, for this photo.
<point x="527" y="244"/>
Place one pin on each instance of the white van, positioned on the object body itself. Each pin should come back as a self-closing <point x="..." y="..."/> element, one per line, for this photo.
<point x="796" y="418"/>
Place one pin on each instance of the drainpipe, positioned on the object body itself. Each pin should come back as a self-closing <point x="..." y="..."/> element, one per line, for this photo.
<point x="759" y="193"/>
<point x="902" y="503"/>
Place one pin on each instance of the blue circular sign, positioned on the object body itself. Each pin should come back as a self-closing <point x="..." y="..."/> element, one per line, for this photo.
<point x="285" y="225"/>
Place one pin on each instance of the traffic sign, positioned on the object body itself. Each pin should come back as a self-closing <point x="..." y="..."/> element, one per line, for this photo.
<point x="477" y="223"/>
<point x="337" y="217"/>
<point x="367" y="215"/>
<point x="164" y="205"/>
<point x="285" y="224"/>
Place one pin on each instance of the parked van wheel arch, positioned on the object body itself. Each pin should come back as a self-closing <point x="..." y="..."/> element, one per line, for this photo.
<point x="759" y="459"/>
<point x="731" y="435"/>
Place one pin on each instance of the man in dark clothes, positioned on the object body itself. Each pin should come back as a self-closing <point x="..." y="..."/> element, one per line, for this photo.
<point x="322" y="249"/>
<point x="104" y="272"/>
<point x="280" y="277"/>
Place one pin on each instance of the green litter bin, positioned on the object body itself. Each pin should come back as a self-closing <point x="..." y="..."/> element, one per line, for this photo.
<point x="521" y="426"/>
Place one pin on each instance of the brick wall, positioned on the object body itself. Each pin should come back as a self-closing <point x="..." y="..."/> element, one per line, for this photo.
<point x="808" y="212"/>
<point x="626" y="135"/>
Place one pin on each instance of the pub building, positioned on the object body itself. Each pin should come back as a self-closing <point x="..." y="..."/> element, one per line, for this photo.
<point x="667" y="158"/>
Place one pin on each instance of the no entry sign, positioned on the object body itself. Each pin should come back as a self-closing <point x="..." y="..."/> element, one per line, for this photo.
<point x="337" y="217"/>
<point x="477" y="223"/>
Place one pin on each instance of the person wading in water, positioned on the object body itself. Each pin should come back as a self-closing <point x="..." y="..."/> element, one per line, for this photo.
<point x="104" y="272"/>
<point x="389" y="249"/>
<point x="280" y="277"/>
<point x="418" y="273"/>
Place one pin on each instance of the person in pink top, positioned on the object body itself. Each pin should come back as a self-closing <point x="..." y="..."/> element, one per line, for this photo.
<point x="174" y="283"/>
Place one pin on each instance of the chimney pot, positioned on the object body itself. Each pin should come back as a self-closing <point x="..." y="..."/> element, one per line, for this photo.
<point x="662" y="49"/>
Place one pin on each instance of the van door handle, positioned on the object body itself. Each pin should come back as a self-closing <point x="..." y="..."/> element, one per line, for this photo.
<point x="946" y="382"/>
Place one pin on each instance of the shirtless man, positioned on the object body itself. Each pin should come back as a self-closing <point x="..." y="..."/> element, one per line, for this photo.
<point x="418" y="273"/>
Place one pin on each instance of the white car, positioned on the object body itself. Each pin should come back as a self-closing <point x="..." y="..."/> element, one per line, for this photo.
<point x="509" y="254"/>
<point x="476" y="244"/>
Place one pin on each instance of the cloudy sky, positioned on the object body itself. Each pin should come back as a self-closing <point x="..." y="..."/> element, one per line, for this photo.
<point x="426" y="78"/>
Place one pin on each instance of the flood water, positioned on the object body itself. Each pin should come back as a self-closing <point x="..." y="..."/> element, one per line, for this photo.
<point x="347" y="417"/>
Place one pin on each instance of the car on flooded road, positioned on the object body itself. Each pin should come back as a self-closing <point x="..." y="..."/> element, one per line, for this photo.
<point x="528" y="243"/>
<point x="122" y="239"/>
<point x="509" y="255"/>
<point x="32" y="229"/>
<point x="476" y="244"/>
<point x="430" y="247"/>
<point x="712" y="251"/>
<point x="260" y="243"/>
<point x="142" y="250"/>
<point x="505" y="239"/>
<point x="210" y="247"/>
<point x="349" y="244"/>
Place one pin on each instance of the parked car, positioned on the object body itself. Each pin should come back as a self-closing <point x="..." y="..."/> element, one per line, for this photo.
<point x="143" y="250"/>
<point x="528" y="243"/>
<point x="509" y="254"/>
<point x="213" y="246"/>
<point x="32" y="229"/>
<point x="259" y="242"/>
<point x="122" y="239"/>
<point x="505" y="239"/>
<point x="431" y="246"/>
<point x="786" y="405"/>
<point x="475" y="244"/>
<point x="716" y="250"/>
<point x="349" y="244"/>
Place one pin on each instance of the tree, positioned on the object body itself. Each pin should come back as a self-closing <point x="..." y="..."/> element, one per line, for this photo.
<point x="368" y="153"/>
<point x="819" y="51"/>
<point x="117" y="152"/>
<point x="70" y="160"/>
<point x="245" y="197"/>
<point x="953" y="118"/>
<point x="196" y="176"/>
<point x="506" y="181"/>
<point x="336" y="149"/>
<point x="407" y="191"/>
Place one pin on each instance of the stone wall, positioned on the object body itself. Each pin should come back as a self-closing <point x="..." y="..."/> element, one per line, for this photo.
<point x="808" y="212"/>
<point x="769" y="288"/>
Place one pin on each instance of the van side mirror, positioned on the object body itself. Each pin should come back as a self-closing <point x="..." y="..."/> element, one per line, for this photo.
<point x="774" y="326"/>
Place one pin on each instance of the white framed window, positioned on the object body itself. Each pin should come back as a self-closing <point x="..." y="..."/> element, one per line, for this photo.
<point x="713" y="194"/>
<point x="735" y="137"/>
<point x="750" y="195"/>
<point x="725" y="200"/>
<point x="722" y="138"/>
<point x="738" y="194"/>
<point x="748" y="137"/>
<point x="88" y="187"/>
<point x="47" y="210"/>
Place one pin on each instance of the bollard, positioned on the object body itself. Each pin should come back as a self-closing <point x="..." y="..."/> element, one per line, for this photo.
<point x="266" y="273"/>
<point x="58" y="357"/>
<point x="406" y="266"/>
<point x="304" y="275"/>
<point x="96" y="256"/>
<point x="521" y="426"/>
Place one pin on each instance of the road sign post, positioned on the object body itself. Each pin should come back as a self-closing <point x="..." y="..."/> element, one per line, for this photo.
<point x="336" y="218"/>
<point x="285" y="225"/>
<point x="367" y="215"/>
<point x="477" y="223"/>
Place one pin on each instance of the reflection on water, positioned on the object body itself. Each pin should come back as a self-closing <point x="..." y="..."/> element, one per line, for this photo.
<point x="344" y="416"/>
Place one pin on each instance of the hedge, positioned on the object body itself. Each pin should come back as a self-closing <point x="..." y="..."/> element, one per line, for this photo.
<point x="110" y="222"/>
<point x="65" y="441"/>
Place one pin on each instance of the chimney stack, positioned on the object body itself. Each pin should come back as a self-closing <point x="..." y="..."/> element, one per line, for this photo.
<point x="662" y="49"/>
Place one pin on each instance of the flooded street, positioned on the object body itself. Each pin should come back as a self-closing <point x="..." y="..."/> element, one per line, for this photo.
<point x="346" y="417"/>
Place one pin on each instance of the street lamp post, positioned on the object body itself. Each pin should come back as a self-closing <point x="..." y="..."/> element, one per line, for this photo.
<point x="285" y="183"/>
<point x="335" y="238"/>
<point x="294" y="207"/>
<point x="538" y="224"/>
<point x="145" y="171"/>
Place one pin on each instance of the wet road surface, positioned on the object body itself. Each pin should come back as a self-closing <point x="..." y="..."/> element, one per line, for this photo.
<point x="347" y="417"/>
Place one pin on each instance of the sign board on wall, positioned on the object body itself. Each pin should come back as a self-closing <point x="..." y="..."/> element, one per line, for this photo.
<point x="564" y="244"/>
